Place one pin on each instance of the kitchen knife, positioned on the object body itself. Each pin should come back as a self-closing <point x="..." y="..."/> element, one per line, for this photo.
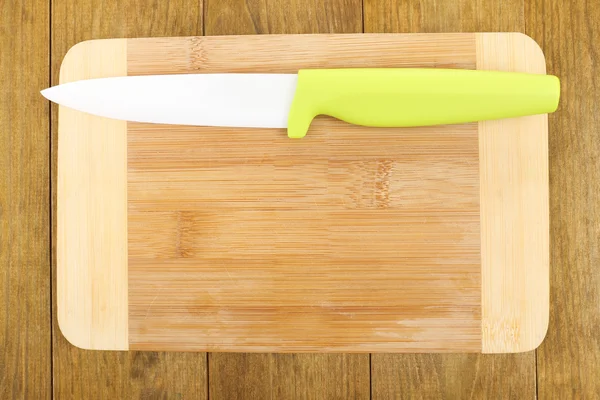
<point x="377" y="97"/>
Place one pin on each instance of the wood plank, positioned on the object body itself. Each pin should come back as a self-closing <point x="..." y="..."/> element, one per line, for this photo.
<point x="387" y="370"/>
<point x="88" y="144"/>
<point x="514" y="209"/>
<point x="289" y="376"/>
<point x="460" y="376"/>
<point x="246" y="17"/>
<point x="25" y="336"/>
<point x="445" y="17"/>
<point x="84" y="374"/>
<point x="568" y="359"/>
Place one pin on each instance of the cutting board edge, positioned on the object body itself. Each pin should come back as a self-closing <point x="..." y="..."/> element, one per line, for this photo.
<point x="515" y="295"/>
<point x="104" y="332"/>
<point x="92" y="295"/>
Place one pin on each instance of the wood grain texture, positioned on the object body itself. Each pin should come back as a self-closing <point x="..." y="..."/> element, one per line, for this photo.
<point x="392" y="16"/>
<point x="98" y="374"/>
<point x="460" y="376"/>
<point x="307" y="375"/>
<point x="244" y="17"/>
<point x="223" y="53"/>
<point x="455" y="16"/>
<point x="568" y="359"/>
<point x="289" y="376"/>
<point x="508" y="326"/>
<point x="92" y="193"/>
<point x="128" y="375"/>
<point x="514" y="209"/>
<point x="25" y="357"/>
<point x="349" y="209"/>
<point x="275" y="261"/>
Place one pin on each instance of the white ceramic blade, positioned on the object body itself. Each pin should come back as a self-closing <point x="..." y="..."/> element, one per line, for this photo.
<point x="236" y="100"/>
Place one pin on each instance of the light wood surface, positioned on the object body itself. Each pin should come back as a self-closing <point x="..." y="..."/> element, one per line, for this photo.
<point x="514" y="209"/>
<point x="25" y="354"/>
<point x="92" y="209"/>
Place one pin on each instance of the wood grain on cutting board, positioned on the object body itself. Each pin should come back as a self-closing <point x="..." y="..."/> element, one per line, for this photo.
<point x="352" y="239"/>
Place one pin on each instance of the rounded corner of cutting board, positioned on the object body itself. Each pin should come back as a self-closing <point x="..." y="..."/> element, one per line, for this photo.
<point x="512" y="51"/>
<point x="518" y="334"/>
<point x="93" y="50"/>
<point x="80" y="334"/>
<point x="92" y="209"/>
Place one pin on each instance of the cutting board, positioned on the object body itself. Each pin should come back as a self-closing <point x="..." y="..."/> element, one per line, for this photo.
<point x="352" y="239"/>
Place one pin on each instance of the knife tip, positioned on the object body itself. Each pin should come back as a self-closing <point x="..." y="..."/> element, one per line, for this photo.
<point x="46" y="93"/>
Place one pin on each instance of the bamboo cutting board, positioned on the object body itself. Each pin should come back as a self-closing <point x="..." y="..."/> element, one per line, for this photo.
<point x="352" y="239"/>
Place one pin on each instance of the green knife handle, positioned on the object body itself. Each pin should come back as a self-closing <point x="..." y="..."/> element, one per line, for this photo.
<point x="404" y="97"/>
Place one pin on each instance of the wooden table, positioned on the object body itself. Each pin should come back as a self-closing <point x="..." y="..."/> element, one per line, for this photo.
<point x="37" y="362"/>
